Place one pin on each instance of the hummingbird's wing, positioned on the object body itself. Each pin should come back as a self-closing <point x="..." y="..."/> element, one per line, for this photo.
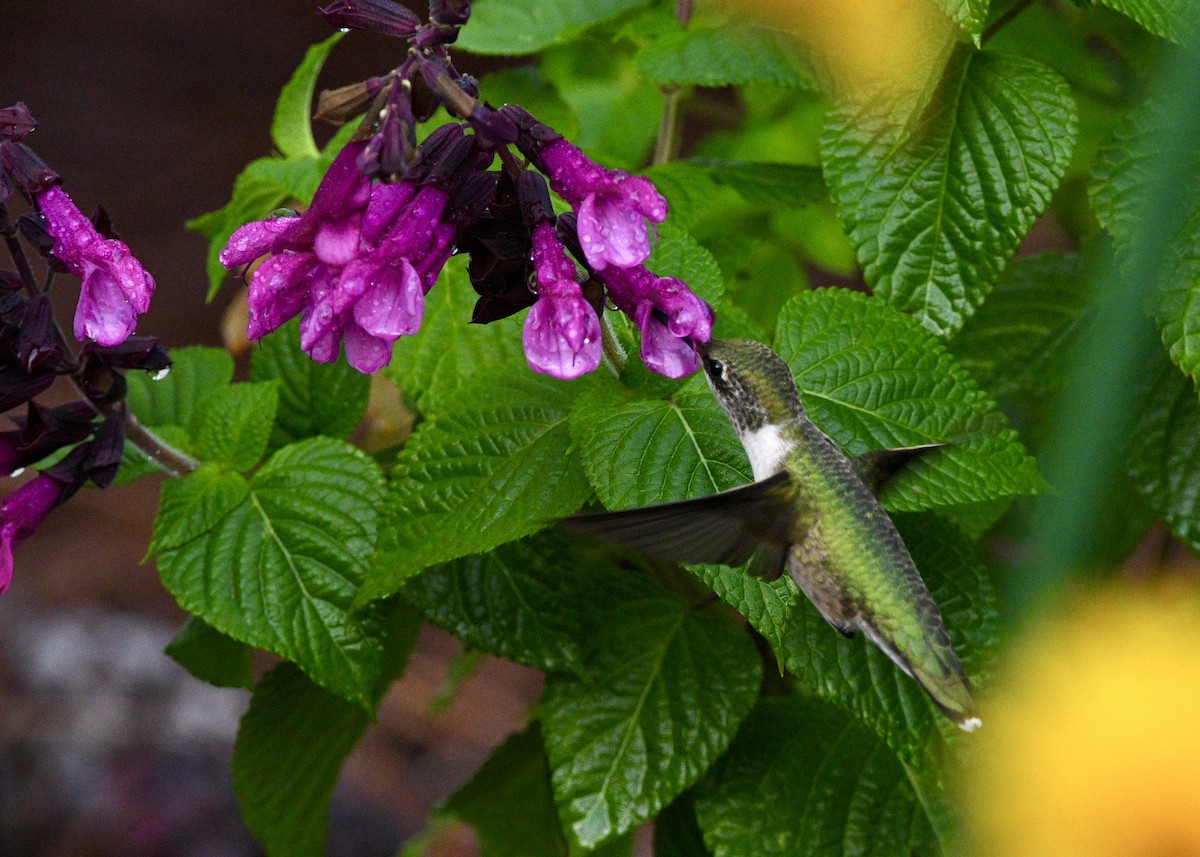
<point x="720" y="528"/>
<point x="880" y="465"/>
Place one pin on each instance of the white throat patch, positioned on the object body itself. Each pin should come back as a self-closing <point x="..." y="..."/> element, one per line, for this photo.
<point x="767" y="449"/>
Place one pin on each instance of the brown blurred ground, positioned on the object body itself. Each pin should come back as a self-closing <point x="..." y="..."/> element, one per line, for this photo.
<point x="151" y="108"/>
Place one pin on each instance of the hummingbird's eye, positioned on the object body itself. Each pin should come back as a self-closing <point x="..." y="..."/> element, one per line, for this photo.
<point x="714" y="368"/>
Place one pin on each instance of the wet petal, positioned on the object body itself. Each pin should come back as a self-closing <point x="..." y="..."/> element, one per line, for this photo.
<point x="612" y="233"/>
<point x="663" y="352"/>
<point x="249" y="242"/>
<point x="562" y="337"/>
<point x="365" y="352"/>
<point x="393" y="302"/>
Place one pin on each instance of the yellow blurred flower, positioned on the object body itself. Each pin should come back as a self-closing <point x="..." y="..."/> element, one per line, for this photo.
<point x="883" y="55"/>
<point x="1091" y="740"/>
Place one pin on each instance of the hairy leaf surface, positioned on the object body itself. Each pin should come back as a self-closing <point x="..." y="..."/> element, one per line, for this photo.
<point x="872" y="378"/>
<point x="804" y="779"/>
<point x="497" y="465"/>
<point x="935" y="217"/>
<point x="280" y="569"/>
<point x="519" y="601"/>
<point x="723" y="56"/>
<point x="668" y="688"/>
<point x="517" y="27"/>
<point x="314" y="398"/>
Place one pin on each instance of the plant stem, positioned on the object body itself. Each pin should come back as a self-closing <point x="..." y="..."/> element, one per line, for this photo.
<point x="667" y="145"/>
<point x="613" y="351"/>
<point x="170" y="460"/>
<point x="1013" y="11"/>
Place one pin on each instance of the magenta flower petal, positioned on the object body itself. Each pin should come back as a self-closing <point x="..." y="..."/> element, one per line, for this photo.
<point x="611" y="233"/>
<point x="278" y="291"/>
<point x="386" y="204"/>
<point x="687" y="315"/>
<point x="115" y="287"/>
<point x="562" y="336"/>
<point x="20" y="514"/>
<point x="254" y="239"/>
<point x="336" y="242"/>
<point x="365" y="352"/>
<point x="394" y="301"/>
<point x="663" y="352"/>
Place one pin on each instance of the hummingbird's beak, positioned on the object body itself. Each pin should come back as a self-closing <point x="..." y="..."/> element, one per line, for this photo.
<point x="701" y="348"/>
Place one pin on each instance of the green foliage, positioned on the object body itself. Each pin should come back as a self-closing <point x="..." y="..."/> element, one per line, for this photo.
<point x="658" y="705"/>
<point x="662" y="678"/>
<point x="517" y="27"/>
<point x="314" y="398"/>
<point x="760" y="798"/>
<point x="292" y="742"/>
<point x="935" y="220"/>
<point x="722" y="56"/>
<point x="517" y="601"/>
<point x="872" y="378"/>
<point x="497" y="466"/>
<point x="211" y="656"/>
<point x="276" y="561"/>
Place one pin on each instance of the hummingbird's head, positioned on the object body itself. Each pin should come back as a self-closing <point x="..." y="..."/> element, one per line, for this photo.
<point x="752" y="383"/>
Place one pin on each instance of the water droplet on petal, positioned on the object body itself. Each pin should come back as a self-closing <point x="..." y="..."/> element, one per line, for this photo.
<point x="161" y="373"/>
<point x="17" y="472"/>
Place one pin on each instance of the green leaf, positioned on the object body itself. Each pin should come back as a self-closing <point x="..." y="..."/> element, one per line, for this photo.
<point x="872" y="378"/>
<point x="262" y="186"/>
<point x="803" y="779"/>
<point x="194" y="504"/>
<point x="497" y="464"/>
<point x="291" y="127"/>
<point x="1165" y="460"/>
<point x="689" y="190"/>
<point x="669" y="687"/>
<point x="314" y="398"/>
<point x="1125" y="167"/>
<point x="280" y="569"/>
<point x="618" y="109"/>
<point x="211" y="656"/>
<point x="1018" y="342"/>
<point x="1171" y="19"/>
<point x="637" y="451"/>
<point x="771" y="185"/>
<point x="448" y="351"/>
<point x="678" y="254"/>
<point x="517" y="27"/>
<point x="289" y="751"/>
<point x="968" y="14"/>
<point x="236" y="424"/>
<point x="724" y="56"/>
<point x="509" y="802"/>
<point x="178" y="399"/>
<point x="517" y="601"/>
<point x="527" y="87"/>
<point x="935" y="218"/>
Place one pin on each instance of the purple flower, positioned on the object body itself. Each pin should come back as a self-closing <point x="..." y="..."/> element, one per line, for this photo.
<point x="562" y="333"/>
<point x="612" y="205"/>
<point x="20" y="513"/>
<point x="115" y="287"/>
<point x="357" y="264"/>
<point x="667" y="312"/>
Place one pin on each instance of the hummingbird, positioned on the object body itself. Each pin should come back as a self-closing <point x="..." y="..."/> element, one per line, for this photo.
<point x="812" y="511"/>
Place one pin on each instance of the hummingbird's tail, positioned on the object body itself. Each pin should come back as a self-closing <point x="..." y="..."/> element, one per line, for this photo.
<point x="942" y="678"/>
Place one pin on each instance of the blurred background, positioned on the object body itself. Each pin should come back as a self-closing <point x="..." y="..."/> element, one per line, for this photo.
<point x="107" y="746"/>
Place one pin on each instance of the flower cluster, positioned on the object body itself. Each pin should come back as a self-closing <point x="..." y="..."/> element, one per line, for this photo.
<point x="114" y="290"/>
<point x="356" y="265"/>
